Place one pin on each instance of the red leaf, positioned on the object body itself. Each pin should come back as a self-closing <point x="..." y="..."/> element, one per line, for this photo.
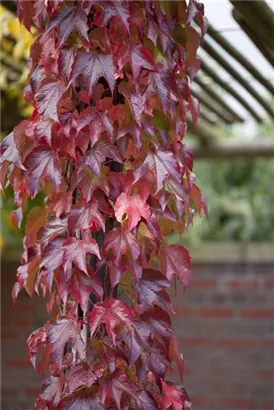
<point x="86" y="217"/>
<point x="134" y="207"/>
<point x="75" y="250"/>
<point x="117" y="384"/>
<point x="141" y="58"/>
<point x="25" y="11"/>
<point x="175" y="260"/>
<point x="51" y="390"/>
<point x="151" y="290"/>
<point x="82" y="375"/>
<point x="114" y="9"/>
<point x="97" y="155"/>
<point x="64" y="330"/>
<point x="40" y="163"/>
<point x="112" y="312"/>
<point x="81" y="285"/>
<point x="67" y="21"/>
<point x="47" y="98"/>
<point x="120" y="243"/>
<point x="173" y="397"/>
<point x="81" y="399"/>
<point x="161" y="163"/>
<point x="92" y="67"/>
<point x="35" y="220"/>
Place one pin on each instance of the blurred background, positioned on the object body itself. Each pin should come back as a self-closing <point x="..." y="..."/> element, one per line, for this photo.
<point x="225" y="320"/>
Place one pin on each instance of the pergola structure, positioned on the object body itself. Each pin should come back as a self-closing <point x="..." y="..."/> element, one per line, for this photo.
<point x="256" y="20"/>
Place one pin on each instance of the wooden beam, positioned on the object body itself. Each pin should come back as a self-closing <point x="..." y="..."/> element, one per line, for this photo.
<point x="207" y="117"/>
<point x="227" y="87"/>
<point x="238" y="56"/>
<point x="232" y="150"/>
<point x="208" y="103"/>
<point x="259" y="15"/>
<point x="237" y="76"/>
<point x="206" y="133"/>
<point x="253" y="35"/>
<point x="218" y="99"/>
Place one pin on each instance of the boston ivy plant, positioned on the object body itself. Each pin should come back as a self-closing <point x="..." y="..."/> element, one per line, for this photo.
<point x="109" y="83"/>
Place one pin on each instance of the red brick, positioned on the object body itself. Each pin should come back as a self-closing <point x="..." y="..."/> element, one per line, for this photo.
<point x="32" y="391"/>
<point x="269" y="284"/>
<point x="203" y="283"/>
<point x="193" y="341"/>
<point x="238" y="403"/>
<point x="245" y="343"/>
<point x="6" y="335"/>
<point x="243" y="284"/>
<point x="215" y="312"/>
<point x="16" y="363"/>
<point x="267" y="406"/>
<point x="257" y="313"/>
<point x="183" y="312"/>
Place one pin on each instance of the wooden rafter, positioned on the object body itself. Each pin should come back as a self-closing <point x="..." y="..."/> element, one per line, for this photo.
<point x="212" y="106"/>
<point x="237" y="76"/>
<point x="219" y="100"/>
<point x="227" y="87"/>
<point x="267" y="52"/>
<point x="238" y="56"/>
<point x="231" y="150"/>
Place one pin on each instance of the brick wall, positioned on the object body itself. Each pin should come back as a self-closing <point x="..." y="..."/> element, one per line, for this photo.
<point x="226" y="332"/>
<point x="225" y="324"/>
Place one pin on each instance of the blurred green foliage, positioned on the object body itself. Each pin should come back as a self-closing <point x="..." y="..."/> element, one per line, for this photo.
<point x="240" y="198"/>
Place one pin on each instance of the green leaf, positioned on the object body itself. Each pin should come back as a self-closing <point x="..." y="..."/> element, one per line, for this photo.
<point x="179" y="34"/>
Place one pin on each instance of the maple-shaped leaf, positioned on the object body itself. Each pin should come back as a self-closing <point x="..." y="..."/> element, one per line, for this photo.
<point x="175" y="355"/>
<point x="161" y="163"/>
<point x="114" y="386"/>
<point x="52" y="258"/>
<point x="60" y="202"/>
<point x="86" y="217"/>
<point x="97" y="122"/>
<point x="35" y="220"/>
<point x="83" y="375"/>
<point x="159" y="323"/>
<point x="41" y="163"/>
<point x="97" y="155"/>
<point x="81" y="285"/>
<point x="199" y="200"/>
<point x="9" y="151"/>
<point x="145" y="401"/>
<point x="135" y="339"/>
<point x="92" y="66"/>
<point x="120" y="243"/>
<point x="81" y="399"/>
<point x="47" y="98"/>
<point x="66" y="329"/>
<point x="112" y="9"/>
<point x="134" y="207"/>
<point x="175" y="260"/>
<point x="52" y="5"/>
<point x="75" y="251"/>
<point x="141" y="58"/>
<point x="69" y="20"/>
<point x="54" y="227"/>
<point x="51" y="390"/>
<point x="173" y="397"/>
<point x="112" y="312"/>
<point x="25" y="11"/>
<point x="88" y="183"/>
<point x="136" y="98"/>
<point x="151" y="290"/>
